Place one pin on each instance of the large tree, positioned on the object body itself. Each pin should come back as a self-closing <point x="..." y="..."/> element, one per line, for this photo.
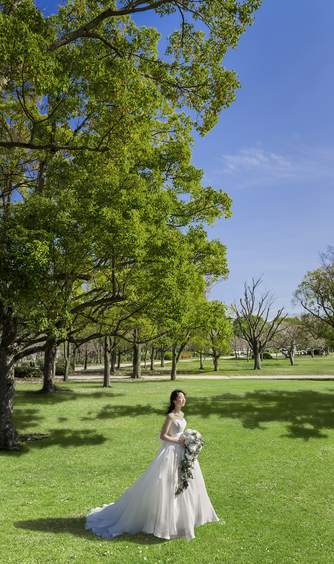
<point x="213" y="336"/>
<point x="254" y="321"/>
<point x="93" y="141"/>
<point x="290" y="337"/>
<point x="316" y="291"/>
<point x="77" y="70"/>
<point x="96" y="237"/>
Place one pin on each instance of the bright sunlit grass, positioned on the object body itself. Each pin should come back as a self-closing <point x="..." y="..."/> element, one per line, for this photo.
<point x="267" y="463"/>
<point x="305" y="366"/>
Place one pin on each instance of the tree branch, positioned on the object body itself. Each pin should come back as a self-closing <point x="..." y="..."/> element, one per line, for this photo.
<point x="50" y="147"/>
<point x="131" y="8"/>
<point x="105" y="41"/>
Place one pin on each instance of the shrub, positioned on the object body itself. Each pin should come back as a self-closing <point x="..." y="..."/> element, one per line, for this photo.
<point x="27" y="372"/>
<point x="267" y="356"/>
<point x="186" y="355"/>
<point x="168" y="355"/>
<point x="60" y="367"/>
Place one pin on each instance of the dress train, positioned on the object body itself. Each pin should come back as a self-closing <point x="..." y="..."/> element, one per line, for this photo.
<point x="150" y="504"/>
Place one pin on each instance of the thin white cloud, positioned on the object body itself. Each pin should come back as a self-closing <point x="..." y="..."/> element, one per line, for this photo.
<point x="257" y="166"/>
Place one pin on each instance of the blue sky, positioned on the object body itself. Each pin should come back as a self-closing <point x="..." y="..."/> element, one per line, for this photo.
<point x="273" y="149"/>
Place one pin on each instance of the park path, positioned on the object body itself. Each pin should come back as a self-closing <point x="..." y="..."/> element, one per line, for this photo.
<point x="93" y="378"/>
<point x="99" y="378"/>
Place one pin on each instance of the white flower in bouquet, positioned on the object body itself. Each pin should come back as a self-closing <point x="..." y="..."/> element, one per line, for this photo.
<point x="194" y="444"/>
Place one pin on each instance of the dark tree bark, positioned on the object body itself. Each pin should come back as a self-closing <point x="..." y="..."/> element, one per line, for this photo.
<point x="291" y="357"/>
<point x="177" y="355"/>
<point x="174" y="363"/>
<point x="86" y="358"/>
<point x="106" y="372"/>
<point x="113" y="358"/>
<point x="74" y="356"/>
<point x="162" y="356"/>
<point x="8" y="435"/>
<point x="152" y="357"/>
<point x="201" y="367"/>
<point x="119" y="359"/>
<point x="215" y="363"/>
<point x="136" y="372"/>
<point x="67" y="359"/>
<point x="49" y="366"/>
<point x="257" y="360"/>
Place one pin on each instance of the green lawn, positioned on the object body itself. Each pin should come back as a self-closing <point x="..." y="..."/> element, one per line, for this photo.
<point x="305" y="365"/>
<point x="268" y="465"/>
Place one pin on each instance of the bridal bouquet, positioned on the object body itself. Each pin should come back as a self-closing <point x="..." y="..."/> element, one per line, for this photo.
<point x="194" y="445"/>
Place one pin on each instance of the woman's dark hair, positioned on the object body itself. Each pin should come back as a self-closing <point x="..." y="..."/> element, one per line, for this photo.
<point x="173" y="397"/>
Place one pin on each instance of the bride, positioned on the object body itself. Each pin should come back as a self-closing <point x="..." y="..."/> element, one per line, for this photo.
<point x="150" y="504"/>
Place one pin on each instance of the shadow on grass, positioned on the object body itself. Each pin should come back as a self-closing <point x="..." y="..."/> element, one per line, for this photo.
<point x="27" y="396"/>
<point x="306" y="413"/>
<point x="64" y="438"/>
<point x="111" y="411"/>
<point x="76" y="527"/>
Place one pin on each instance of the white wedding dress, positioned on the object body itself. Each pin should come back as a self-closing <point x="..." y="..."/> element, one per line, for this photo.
<point x="150" y="504"/>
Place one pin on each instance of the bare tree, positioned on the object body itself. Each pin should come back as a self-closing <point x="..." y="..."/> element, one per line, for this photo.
<point x="252" y="319"/>
<point x="289" y="338"/>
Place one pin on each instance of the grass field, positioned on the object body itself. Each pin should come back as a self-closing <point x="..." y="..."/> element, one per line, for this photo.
<point x="305" y="365"/>
<point x="268" y="466"/>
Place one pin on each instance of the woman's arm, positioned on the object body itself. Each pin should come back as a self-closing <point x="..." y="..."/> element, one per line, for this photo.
<point x="165" y="429"/>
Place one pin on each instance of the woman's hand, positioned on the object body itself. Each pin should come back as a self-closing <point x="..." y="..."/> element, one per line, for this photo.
<point x="181" y="442"/>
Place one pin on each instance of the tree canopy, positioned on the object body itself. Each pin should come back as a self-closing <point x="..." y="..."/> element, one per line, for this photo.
<point x="316" y="291"/>
<point x="100" y="205"/>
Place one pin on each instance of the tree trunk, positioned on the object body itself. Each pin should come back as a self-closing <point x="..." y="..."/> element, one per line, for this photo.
<point x="113" y="358"/>
<point x="201" y="367"/>
<point x="257" y="360"/>
<point x="49" y="367"/>
<point x="152" y="358"/>
<point x="74" y="356"/>
<point x="106" y="372"/>
<point x="177" y="356"/>
<point x="162" y="357"/>
<point x="86" y="357"/>
<point x="312" y="352"/>
<point x="119" y="359"/>
<point x="8" y="435"/>
<point x="67" y="360"/>
<point x="174" y="364"/>
<point x="291" y="357"/>
<point x="215" y="363"/>
<point x="136" y="372"/>
<point x="145" y="358"/>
